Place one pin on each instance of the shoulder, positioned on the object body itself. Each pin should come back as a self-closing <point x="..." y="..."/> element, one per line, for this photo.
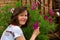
<point x="15" y="28"/>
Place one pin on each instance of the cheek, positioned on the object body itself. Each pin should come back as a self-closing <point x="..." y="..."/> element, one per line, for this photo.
<point x="26" y="18"/>
<point x="19" y="18"/>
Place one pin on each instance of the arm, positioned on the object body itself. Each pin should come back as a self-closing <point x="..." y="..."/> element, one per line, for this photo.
<point x="23" y="38"/>
<point x="20" y="38"/>
<point x="34" y="35"/>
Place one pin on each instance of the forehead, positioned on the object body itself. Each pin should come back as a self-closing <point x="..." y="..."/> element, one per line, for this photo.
<point x="24" y="12"/>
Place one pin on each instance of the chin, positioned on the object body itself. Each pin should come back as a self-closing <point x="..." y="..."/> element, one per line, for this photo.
<point x="23" y="24"/>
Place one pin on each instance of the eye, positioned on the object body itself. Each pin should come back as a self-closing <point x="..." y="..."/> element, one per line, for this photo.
<point x="21" y="15"/>
<point x="26" y="15"/>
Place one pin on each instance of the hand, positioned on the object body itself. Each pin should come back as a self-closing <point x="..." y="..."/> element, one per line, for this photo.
<point x="35" y="34"/>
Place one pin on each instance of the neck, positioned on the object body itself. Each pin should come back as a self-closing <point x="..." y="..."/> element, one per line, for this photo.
<point x="20" y="25"/>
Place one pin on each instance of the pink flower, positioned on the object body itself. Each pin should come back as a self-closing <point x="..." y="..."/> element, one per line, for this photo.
<point x="35" y="25"/>
<point x="32" y="7"/>
<point x="45" y="17"/>
<point x="40" y="13"/>
<point x="35" y="3"/>
<point x="51" y="12"/>
<point x="50" y="20"/>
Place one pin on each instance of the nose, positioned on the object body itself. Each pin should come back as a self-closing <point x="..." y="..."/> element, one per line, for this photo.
<point x="24" y="17"/>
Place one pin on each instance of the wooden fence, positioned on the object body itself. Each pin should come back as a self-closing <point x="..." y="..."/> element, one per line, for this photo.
<point x="45" y="5"/>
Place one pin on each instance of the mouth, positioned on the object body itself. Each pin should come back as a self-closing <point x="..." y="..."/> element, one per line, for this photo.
<point x="23" y="21"/>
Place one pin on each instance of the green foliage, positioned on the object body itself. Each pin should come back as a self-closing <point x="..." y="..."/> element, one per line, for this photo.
<point x="44" y="25"/>
<point x="4" y="18"/>
<point x="5" y="15"/>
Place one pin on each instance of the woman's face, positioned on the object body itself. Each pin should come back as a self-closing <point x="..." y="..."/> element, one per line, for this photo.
<point x="22" y="17"/>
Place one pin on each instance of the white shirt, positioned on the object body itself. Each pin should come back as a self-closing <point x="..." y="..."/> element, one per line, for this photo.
<point x="11" y="33"/>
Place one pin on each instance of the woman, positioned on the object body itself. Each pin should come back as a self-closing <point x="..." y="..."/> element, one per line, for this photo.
<point x="19" y="19"/>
